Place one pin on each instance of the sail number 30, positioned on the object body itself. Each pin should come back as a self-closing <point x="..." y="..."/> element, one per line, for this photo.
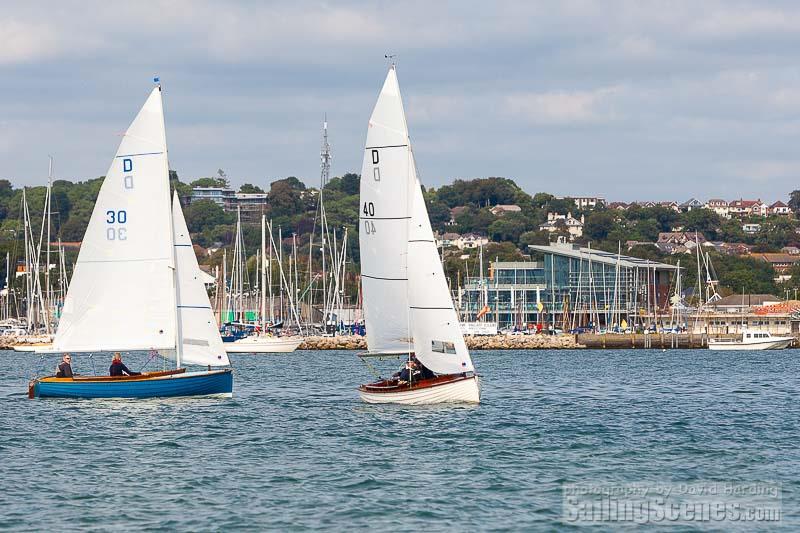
<point x="115" y="233"/>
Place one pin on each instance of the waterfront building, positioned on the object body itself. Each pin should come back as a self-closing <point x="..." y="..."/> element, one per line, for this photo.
<point x="753" y="312"/>
<point x="570" y="287"/>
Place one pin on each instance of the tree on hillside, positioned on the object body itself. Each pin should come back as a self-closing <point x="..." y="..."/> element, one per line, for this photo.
<point x="203" y="215"/>
<point x="508" y="228"/>
<point x="292" y="182"/>
<point x="284" y="197"/>
<point x="794" y="201"/>
<point x="474" y="220"/>
<point x="533" y="237"/>
<point x="598" y="225"/>
<point x="249" y="188"/>
<point x="703" y="221"/>
<point x="211" y="182"/>
<point x="481" y="192"/>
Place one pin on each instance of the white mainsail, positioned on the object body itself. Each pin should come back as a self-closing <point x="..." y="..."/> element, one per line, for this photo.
<point x="406" y="299"/>
<point x="383" y="225"/>
<point x="199" y="334"/>
<point x="122" y="294"/>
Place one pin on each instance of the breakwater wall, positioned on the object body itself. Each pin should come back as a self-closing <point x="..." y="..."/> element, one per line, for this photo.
<point x="491" y="342"/>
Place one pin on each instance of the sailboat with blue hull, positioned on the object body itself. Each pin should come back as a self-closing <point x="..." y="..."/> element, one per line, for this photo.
<point x="136" y="285"/>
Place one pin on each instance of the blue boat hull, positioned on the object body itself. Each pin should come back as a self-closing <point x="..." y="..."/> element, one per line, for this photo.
<point x="210" y="383"/>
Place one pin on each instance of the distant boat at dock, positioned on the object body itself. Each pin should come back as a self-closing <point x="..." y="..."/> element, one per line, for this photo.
<point x="751" y="340"/>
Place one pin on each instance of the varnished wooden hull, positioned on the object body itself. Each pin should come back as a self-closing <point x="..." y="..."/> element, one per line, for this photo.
<point x="443" y="389"/>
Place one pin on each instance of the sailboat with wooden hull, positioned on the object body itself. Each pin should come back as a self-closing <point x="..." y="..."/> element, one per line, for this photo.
<point x="137" y="285"/>
<point x="407" y="305"/>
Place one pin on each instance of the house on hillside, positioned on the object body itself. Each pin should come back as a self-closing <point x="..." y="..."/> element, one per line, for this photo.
<point x="780" y="262"/>
<point x="555" y="222"/>
<point x="719" y="206"/>
<point x="472" y="240"/>
<point x="733" y="248"/>
<point x="501" y="209"/>
<point x="690" y="205"/>
<point x="586" y="202"/>
<point x="672" y="206"/>
<point x="681" y="237"/>
<point x="791" y="250"/>
<point x="743" y="208"/>
<point x="462" y="242"/>
<point x="779" y="208"/>
<point x="620" y="206"/>
<point x="751" y="228"/>
<point x="454" y="212"/>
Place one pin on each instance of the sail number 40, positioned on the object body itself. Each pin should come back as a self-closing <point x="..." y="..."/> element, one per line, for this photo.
<point x="115" y="233"/>
<point x="369" y="211"/>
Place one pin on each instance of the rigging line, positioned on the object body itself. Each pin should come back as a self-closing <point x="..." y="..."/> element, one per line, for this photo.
<point x="384" y="279"/>
<point x="124" y="260"/>
<point x="136" y="155"/>
<point x="387" y="146"/>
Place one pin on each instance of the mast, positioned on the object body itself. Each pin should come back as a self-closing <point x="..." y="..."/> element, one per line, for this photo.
<point x="175" y="285"/>
<point x="263" y="275"/>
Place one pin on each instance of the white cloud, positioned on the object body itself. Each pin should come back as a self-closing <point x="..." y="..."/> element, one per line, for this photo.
<point x="563" y="107"/>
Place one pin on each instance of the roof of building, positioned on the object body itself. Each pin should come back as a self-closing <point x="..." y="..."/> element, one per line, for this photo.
<point x="691" y="202"/>
<point x="510" y="208"/>
<point x="746" y="300"/>
<point x="777" y="257"/>
<point x="600" y="256"/>
<point x="779" y="204"/>
<point x="744" y="203"/>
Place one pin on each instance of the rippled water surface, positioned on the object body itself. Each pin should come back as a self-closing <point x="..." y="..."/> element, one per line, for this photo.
<point x="296" y="449"/>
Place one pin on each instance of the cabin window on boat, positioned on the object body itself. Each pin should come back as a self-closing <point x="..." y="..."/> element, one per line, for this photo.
<point x="443" y="347"/>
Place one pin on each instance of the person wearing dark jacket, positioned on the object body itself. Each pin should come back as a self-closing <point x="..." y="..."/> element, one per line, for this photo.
<point x="118" y="368"/>
<point x="64" y="369"/>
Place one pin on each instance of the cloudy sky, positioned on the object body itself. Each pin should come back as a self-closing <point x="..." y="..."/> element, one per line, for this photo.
<point x="627" y="100"/>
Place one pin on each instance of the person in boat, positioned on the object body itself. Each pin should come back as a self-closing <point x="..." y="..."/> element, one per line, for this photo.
<point x="408" y="372"/>
<point x="64" y="369"/>
<point x="118" y="368"/>
<point x="424" y="372"/>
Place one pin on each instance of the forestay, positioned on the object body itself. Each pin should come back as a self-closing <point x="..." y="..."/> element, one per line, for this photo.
<point x="383" y="224"/>
<point x="199" y="334"/>
<point x="121" y="296"/>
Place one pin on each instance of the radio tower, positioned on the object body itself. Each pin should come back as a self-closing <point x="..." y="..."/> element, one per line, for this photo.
<point x="325" y="155"/>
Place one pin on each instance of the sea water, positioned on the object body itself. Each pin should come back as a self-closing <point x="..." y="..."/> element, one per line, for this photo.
<point x="296" y="449"/>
